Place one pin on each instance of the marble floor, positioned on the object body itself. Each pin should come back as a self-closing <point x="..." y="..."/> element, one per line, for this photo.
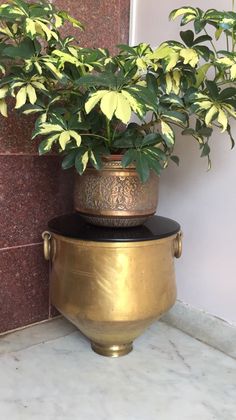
<point x="48" y="372"/>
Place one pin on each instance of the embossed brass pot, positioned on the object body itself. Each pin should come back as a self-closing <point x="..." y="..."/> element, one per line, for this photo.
<point x="112" y="291"/>
<point x="115" y="196"/>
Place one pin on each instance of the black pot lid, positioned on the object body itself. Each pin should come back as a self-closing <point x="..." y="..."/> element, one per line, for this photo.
<point x="74" y="226"/>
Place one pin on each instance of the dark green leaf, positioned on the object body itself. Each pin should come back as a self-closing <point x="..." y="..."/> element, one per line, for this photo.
<point x="227" y="93"/>
<point x="69" y="160"/>
<point x="26" y="49"/>
<point x="202" y="38"/>
<point x="175" y="159"/>
<point x="142" y="166"/>
<point x="78" y="160"/>
<point x="203" y="51"/>
<point x="205" y="150"/>
<point x="231" y="137"/>
<point x="213" y="89"/>
<point x="187" y="37"/>
<point x="103" y="80"/>
<point x="151" y="139"/>
<point x="199" y="25"/>
<point x="128" y="157"/>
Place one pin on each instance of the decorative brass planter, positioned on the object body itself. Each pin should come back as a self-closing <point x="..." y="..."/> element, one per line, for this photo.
<point x="115" y="196"/>
<point x="112" y="291"/>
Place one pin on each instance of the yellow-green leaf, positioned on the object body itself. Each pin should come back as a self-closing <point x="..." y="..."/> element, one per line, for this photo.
<point x="31" y="94"/>
<point x="76" y="136"/>
<point x="161" y="52"/>
<point x="109" y="104"/>
<point x="64" y="138"/>
<point x="210" y="114"/>
<point x="141" y="63"/>
<point x="30" y="26"/>
<point x="168" y="83"/>
<point x="176" y="81"/>
<point x="3" y="107"/>
<point x="172" y="60"/>
<point x="218" y="33"/>
<point x="3" y="91"/>
<point x="123" y="109"/>
<point x="233" y="71"/>
<point x="223" y="120"/>
<point x="190" y="56"/>
<point x="58" y="21"/>
<point x="21" y="97"/>
<point x="225" y="60"/>
<point x="38" y="85"/>
<point x="94" y="99"/>
<point x="204" y="104"/>
<point x="38" y="67"/>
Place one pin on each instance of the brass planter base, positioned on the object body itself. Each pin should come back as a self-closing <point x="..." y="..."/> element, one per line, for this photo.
<point x="113" y="350"/>
<point x="112" y="290"/>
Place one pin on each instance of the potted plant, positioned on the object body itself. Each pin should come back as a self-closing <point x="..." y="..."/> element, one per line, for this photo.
<point x="115" y="117"/>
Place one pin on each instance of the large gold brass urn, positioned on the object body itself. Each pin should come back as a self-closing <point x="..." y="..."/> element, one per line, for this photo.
<point x="115" y="196"/>
<point x="112" y="283"/>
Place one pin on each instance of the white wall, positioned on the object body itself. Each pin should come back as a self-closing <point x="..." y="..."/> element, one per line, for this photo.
<point x="203" y="202"/>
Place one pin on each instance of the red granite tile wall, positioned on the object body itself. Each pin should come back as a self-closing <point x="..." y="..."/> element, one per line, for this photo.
<point x="34" y="189"/>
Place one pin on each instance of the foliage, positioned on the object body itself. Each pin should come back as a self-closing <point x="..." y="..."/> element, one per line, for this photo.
<point x="85" y="99"/>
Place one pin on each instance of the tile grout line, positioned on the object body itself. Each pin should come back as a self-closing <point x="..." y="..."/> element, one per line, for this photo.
<point x="8" y="248"/>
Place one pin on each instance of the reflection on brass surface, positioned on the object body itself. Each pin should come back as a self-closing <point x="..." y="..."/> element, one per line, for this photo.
<point x="115" y="193"/>
<point x="112" y="291"/>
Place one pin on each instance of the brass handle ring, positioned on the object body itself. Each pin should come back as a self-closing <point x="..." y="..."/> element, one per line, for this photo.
<point x="46" y="245"/>
<point x="178" y="245"/>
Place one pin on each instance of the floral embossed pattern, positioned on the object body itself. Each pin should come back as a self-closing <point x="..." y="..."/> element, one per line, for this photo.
<point x="117" y="193"/>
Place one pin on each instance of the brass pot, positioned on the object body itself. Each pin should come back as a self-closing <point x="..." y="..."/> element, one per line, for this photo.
<point x="112" y="291"/>
<point x="115" y="196"/>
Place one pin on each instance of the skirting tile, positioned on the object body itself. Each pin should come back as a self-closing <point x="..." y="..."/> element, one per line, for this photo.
<point x="204" y="327"/>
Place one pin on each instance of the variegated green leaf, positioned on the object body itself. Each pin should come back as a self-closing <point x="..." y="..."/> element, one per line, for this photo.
<point x="223" y="120"/>
<point x="31" y="94"/>
<point x="76" y="137"/>
<point x="210" y="115"/>
<point x="64" y="138"/>
<point x="183" y="10"/>
<point x="94" y="99"/>
<point x="21" y="97"/>
<point x="167" y="133"/>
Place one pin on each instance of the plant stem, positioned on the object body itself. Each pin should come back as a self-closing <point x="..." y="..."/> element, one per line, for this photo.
<point x="213" y="46"/>
<point x="95" y="135"/>
<point x="108" y="130"/>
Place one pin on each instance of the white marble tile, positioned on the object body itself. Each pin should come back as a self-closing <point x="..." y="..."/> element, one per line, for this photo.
<point x="35" y="334"/>
<point x="168" y="376"/>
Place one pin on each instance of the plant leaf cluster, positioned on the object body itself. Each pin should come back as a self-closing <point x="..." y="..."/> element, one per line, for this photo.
<point x="88" y="103"/>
